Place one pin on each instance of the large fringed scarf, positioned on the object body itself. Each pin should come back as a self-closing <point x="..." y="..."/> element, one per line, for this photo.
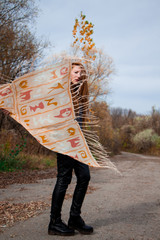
<point x="42" y="102"/>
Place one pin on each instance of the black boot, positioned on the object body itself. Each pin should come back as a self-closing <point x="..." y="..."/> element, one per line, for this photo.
<point x="57" y="227"/>
<point x="77" y="223"/>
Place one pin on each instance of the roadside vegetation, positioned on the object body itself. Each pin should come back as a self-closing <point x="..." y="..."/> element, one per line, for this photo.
<point x="137" y="133"/>
<point x="119" y="130"/>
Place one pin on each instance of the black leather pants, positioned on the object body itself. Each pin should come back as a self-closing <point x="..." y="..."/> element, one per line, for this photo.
<point x="65" y="166"/>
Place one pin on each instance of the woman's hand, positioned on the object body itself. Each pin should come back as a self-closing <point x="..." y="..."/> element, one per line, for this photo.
<point x="5" y="111"/>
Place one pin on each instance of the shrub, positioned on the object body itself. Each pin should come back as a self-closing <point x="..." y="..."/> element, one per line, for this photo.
<point x="10" y="160"/>
<point x="38" y="161"/>
<point x="144" y="140"/>
<point x="155" y="115"/>
<point x="107" y="136"/>
<point x="142" y="122"/>
<point x="126" y="134"/>
<point x="116" y="142"/>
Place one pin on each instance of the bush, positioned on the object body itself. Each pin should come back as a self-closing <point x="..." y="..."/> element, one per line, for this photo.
<point x="108" y="138"/>
<point x="142" y="122"/>
<point x="10" y="163"/>
<point x="38" y="161"/>
<point x="144" y="140"/>
<point x="126" y="134"/>
<point x="10" y="160"/>
<point x="116" y="142"/>
<point x="156" y="120"/>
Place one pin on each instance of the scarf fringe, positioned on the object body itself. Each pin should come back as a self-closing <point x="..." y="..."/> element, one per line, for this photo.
<point x="89" y="121"/>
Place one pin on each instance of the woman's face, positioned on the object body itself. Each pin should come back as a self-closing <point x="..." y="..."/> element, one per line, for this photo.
<point x="76" y="74"/>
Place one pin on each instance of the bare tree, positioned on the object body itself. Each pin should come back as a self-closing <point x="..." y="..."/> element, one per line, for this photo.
<point x="122" y="117"/>
<point x="18" y="46"/>
<point x="100" y="72"/>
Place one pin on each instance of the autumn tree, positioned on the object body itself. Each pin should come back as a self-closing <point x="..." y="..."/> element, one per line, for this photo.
<point x="18" y="46"/>
<point x="99" y="65"/>
<point x="107" y="136"/>
<point x="82" y="33"/>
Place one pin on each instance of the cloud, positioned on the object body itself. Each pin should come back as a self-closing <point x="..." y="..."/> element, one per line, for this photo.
<point x="127" y="30"/>
<point x="136" y="87"/>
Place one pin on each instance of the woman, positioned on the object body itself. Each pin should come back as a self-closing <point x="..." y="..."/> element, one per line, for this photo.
<point x="65" y="166"/>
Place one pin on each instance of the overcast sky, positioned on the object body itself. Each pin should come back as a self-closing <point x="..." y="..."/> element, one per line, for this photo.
<point x="127" y="30"/>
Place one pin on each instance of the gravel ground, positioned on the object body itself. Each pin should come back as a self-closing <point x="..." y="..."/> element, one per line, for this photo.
<point x="123" y="207"/>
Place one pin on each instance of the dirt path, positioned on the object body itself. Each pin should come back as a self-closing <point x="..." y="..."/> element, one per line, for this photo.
<point x="119" y="208"/>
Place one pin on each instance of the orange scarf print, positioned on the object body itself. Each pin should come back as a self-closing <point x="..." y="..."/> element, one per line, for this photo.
<point x="41" y="101"/>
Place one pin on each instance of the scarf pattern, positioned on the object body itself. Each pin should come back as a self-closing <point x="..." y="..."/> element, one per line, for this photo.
<point x="41" y="101"/>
